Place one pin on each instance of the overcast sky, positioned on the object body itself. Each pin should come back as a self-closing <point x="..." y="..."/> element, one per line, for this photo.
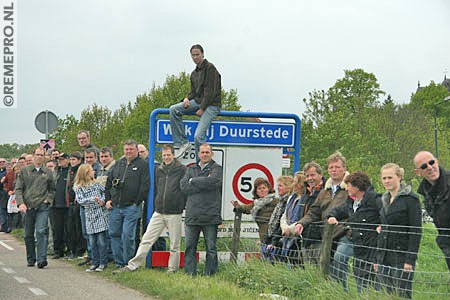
<point x="74" y="53"/>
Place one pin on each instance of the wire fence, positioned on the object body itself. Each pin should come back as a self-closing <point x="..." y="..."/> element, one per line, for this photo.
<point x="362" y="264"/>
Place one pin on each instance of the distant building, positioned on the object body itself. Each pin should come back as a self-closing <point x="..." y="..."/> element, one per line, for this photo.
<point x="445" y="83"/>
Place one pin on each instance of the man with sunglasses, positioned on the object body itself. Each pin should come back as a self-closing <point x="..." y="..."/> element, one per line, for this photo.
<point x="435" y="188"/>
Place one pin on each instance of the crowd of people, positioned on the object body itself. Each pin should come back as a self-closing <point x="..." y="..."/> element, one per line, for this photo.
<point x="382" y="232"/>
<point x="96" y="204"/>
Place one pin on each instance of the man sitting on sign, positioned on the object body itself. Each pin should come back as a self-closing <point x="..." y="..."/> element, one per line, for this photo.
<point x="204" y="99"/>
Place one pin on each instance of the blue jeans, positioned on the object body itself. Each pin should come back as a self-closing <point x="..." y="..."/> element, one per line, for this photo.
<point x="192" y="235"/>
<point x="4" y="219"/>
<point x="84" y="233"/>
<point x="122" y="230"/>
<point x="36" y="220"/>
<point x="99" y="248"/>
<point x="176" y="123"/>
<point x="340" y="262"/>
<point x="394" y="280"/>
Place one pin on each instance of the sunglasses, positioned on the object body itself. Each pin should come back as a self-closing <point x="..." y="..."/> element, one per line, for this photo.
<point x="425" y="165"/>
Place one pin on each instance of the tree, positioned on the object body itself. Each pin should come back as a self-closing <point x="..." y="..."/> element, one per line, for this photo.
<point x="104" y="126"/>
<point x="427" y="98"/>
<point x="174" y="90"/>
<point x="351" y="117"/>
<point x="9" y="151"/>
<point x="337" y="119"/>
<point x="130" y="121"/>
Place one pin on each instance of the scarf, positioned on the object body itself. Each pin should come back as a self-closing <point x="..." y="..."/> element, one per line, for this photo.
<point x="259" y="203"/>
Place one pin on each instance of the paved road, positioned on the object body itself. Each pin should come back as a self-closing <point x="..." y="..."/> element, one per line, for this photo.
<point x="59" y="280"/>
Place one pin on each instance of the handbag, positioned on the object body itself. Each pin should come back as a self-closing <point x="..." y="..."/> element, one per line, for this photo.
<point x="12" y="205"/>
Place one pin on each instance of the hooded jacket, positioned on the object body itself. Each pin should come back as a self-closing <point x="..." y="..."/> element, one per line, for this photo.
<point x="401" y="228"/>
<point x="169" y="198"/>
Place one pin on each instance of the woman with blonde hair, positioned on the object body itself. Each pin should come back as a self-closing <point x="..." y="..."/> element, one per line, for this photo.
<point x="400" y="233"/>
<point x="291" y="244"/>
<point x="273" y="239"/>
<point x="91" y="195"/>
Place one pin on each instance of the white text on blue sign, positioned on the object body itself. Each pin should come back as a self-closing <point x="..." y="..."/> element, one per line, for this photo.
<point x="234" y="133"/>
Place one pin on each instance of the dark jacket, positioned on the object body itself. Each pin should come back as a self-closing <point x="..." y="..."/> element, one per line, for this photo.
<point x="362" y="223"/>
<point x="70" y="198"/>
<point x="128" y="184"/>
<point x="204" y="194"/>
<point x="61" y="187"/>
<point x="437" y="199"/>
<point x="35" y="187"/>
<point x="312" y="233"/>
<point x="206" y="86"/>
<point x="324" y="203"/>
<point x="3" y="193"/>
<point x="273" y="236"/>
<point x="403" y="238"/>
<point x="169" y="198"/>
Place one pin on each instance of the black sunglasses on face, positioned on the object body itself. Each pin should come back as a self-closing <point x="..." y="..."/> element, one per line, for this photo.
<point x="425" y="165"/>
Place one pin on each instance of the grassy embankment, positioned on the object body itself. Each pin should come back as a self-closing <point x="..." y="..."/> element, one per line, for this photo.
<point x="248" y="280"/>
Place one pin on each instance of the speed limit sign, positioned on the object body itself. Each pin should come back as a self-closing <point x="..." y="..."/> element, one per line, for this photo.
<point x="243" y="166"/>
<point x="244" y="183"/>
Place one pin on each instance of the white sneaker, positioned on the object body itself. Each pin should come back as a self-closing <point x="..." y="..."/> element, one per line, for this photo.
<point x="183" y="148"/>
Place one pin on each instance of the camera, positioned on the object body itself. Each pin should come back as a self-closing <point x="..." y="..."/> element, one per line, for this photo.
<point x="117" y="183"/>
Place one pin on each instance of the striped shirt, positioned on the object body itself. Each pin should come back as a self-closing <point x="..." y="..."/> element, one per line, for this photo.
<point x="96" y="216"/>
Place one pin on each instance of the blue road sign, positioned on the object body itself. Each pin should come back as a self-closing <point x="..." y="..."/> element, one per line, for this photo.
<point x="234" y="133"/>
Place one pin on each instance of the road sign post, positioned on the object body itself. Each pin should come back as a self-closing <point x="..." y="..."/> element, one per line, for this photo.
<point x="46" y="122"/>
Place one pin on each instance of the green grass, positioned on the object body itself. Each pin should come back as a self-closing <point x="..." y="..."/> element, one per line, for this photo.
<point x="248" y="280"/>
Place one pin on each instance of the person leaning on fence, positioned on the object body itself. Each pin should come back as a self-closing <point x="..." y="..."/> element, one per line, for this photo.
<point x="362" y="209"/>
<point x="435" y="188"/>
<point x="291" y="243"/>
<point x="333" y="195"/>
<point x="273" y="242"/>
<point x="400" y="233"/>
<point x="264" y="202"/>
<point x="204" y="99"/>
<point x="311" y="235"/>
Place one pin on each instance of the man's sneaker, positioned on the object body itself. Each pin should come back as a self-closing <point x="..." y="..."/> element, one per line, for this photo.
<point x="183" y="148"/>
<point x="92" y="268"/>
<point x="100" y="268"/>
<point x="42" y="264"/>
<point x="122" y="270"/>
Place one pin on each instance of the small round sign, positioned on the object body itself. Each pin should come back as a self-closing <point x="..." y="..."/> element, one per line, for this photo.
<point x="236" y="180"/>
<point x="46" y="122"/>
